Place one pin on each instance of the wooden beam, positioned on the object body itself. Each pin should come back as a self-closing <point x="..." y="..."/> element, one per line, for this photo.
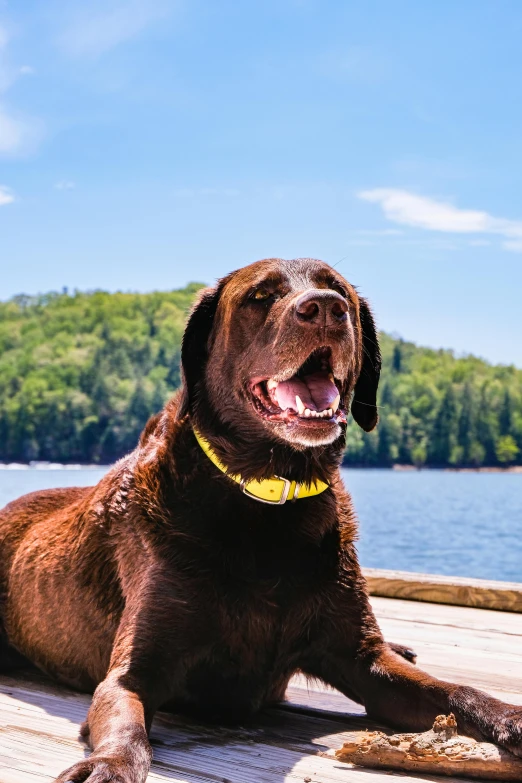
<point x="455" y="590"/>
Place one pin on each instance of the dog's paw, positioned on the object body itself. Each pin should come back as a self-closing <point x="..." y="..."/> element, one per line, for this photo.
<point x="405" y="652"/>
<point x="101" y="769"/>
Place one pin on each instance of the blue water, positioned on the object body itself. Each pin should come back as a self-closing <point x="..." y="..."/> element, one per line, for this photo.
<point x="465" y="524"/>
<point x="439" y="522"/>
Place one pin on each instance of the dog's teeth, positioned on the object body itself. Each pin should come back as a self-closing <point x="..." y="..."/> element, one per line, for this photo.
<point x="336" y="402"/>
<point x="331" y="378"/>
<point x="330" y="412"/>
<point x="300" y="406"/>
<point x="307" y="412"/>
<point x="271" y="384"/>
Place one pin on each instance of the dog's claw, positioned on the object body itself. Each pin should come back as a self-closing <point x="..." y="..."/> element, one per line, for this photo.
<point x="405" y="652"/>
<point x="99" y="770"/>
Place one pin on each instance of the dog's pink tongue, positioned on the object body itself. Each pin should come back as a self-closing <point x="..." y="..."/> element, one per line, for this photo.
<point x="317" y="392"/>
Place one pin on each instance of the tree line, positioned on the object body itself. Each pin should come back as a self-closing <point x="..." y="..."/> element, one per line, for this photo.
<point x="80" y="374"/>
<point x="440" y="410"/>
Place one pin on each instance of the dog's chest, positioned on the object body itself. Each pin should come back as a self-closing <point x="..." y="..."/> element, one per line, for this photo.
<point x="266" y="603"/>
<point x="272" y="558"/>
<point x="254" y="650"/>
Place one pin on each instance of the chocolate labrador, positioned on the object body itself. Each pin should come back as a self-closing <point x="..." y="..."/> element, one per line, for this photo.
<point x="218" y="558"/>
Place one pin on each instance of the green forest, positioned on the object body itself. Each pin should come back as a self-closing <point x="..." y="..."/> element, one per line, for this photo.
<point x="80" y="374"/>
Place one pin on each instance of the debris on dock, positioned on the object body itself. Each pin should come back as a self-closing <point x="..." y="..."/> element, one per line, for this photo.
<point x="439" y="751"/>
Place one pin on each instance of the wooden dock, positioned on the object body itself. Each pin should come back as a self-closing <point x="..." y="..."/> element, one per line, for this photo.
<point x="39" y="721"/>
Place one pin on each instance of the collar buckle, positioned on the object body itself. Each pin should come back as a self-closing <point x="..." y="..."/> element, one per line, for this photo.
<point x="284" y="494"/>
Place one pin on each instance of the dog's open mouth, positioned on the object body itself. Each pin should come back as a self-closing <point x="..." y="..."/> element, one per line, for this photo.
<point x="311" y="395"/>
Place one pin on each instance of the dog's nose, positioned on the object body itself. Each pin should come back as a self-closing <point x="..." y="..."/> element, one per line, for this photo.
<point x="323" y="307"/>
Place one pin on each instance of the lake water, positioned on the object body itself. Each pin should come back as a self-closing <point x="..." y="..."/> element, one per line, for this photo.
<point x="465" y="524"/>
<point x="440" y="522"/>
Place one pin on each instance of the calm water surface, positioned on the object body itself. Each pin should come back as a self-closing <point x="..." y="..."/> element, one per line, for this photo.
<point x="439" y="522"/>
<point x="466" y="524"/>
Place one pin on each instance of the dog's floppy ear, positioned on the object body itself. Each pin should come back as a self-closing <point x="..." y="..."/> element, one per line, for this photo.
<point x="364" y="403"/>
<point x="194" y="347"/>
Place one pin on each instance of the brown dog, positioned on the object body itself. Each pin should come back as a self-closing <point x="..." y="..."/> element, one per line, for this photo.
<point x="170" y="584"/>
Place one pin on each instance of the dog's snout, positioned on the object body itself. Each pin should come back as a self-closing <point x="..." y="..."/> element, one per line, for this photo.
<point x="321" y="307"/>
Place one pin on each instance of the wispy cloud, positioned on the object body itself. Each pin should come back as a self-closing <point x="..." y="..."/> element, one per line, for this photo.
<point x="380" y="232"/>
<point x="205" y="192"/>
<point x="479" y="242"/>
<point x="97" y="26"/>
<point x="410" y="209"/>
<point x="17" y="134"/>
<point x="6" y="197"/>
<point x="360" y="64"/>
<point x="515" y="245"/>
<point x="65" y="184"/>
<point x="6" y="77"/>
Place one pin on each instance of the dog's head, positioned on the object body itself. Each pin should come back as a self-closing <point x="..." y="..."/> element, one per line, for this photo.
<point x="277" y="350"/>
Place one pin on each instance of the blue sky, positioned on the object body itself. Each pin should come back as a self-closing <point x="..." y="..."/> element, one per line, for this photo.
<point x="147" y="143"/>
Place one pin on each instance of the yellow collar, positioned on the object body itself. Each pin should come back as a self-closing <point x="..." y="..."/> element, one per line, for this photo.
<point x="275" y="491"/>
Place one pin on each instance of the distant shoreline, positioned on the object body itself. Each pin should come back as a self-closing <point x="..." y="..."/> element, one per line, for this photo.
<point x="413" y="468"/>
<point x="42" y="466"/>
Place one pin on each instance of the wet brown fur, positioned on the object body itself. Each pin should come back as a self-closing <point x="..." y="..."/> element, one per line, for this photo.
<point x="165" y="586"/>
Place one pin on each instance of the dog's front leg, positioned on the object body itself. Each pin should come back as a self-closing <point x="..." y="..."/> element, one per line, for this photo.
<point x="401" y="695"/>
<point x="116" y="728"/>
<point x="139" y="679"/>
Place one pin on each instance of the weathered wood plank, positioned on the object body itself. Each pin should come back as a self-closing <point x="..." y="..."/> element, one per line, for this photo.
<point x="279" y="747"/>
<point x="458" y="591"/>
<point x="39" y="721"/>
<point x="451" y="616"/>
<point x="471" y="646"/>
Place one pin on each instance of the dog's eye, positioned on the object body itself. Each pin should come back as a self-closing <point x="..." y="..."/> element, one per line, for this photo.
<point x="261" y="294"/>
<point x="339" y="289"/>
